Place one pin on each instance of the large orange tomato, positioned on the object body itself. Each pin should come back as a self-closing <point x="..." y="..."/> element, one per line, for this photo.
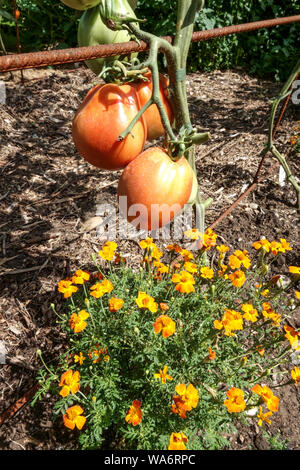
<point x="156" y="188"/>
<point x="105" y="113"/>
<point x="155" y="127"/>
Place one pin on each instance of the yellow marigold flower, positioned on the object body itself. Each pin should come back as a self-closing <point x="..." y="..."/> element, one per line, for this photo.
<point x="266" y="394"/>
<point x="163" y="375"/>
<point x="237" y="278"/>
<point x="193" y="234"/>
<point x="269" y="313"/>
<point x="73" y="417"/>
<point x="243" y="256"/>
<point x="297" y="294"/>
<point x="250" y="313"/>
<point x="263" y="417"/>
<point x="177" y="441"/>
<point x="134" y="414"/>
<point x="79" y="358"/>
<point x="156" y="254"/>
<point x="235" y="402"/>
<point x="67" y="288"/>
<point x="186" y="254"/>
<point x="77" y="322"/>
<point x="161" y="268"/>
<point x="185" y="282"/>
<point x="231" y="321"/>
<point x="275" y="247"/>
<point x="101" y="288"/>
<point x="284" y="245"/>
<point x="206" y="272"/>
<point x="165" y="325"/>
<point x="209" y="239"/>
<point x="147" y="244"/>
<point x="69" y="382"/>
<point x="80" y="277"/>
<point x="265" y="293"/>
<point x="115" y="304"/>
<point x="234" y="262"/>
<point x="295" y="373"/>
<point x="187" y="397"/>
<point x="263" y="244"/>
<point x="294" y="270"/>
<point x="108" y="251"/>
<point x="190" y="267"/>
<point x="146" y="301"/>
<point x="222" y="249"/>
<point x="293" y="337"/>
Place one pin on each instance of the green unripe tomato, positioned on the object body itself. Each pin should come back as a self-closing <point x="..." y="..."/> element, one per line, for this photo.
<point x="93" y="32"/>
<point x="81" y="4"/>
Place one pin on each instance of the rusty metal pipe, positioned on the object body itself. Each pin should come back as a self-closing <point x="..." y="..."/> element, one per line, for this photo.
<point x="42" y="59"/>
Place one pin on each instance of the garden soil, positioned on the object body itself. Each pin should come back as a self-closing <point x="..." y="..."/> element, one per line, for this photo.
<point x="48" y="192"/>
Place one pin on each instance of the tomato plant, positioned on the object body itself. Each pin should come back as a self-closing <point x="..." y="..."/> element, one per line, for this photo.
<point x="144" y="89"/>
<point x="105" y="112"/>
<point x="160" y="185"/>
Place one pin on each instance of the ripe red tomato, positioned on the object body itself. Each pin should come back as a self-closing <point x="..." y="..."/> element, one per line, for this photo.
<point x="161" y="185"/>
<point x="104" y="114"/>
<point x="155" y="128"/>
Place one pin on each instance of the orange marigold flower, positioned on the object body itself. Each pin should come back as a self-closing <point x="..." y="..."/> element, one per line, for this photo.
<point x="79" y="358"/>
<point x="73" y="417"/>
<point x="175" y="247"/>
<point x="266" y="394"/>
<point x="115" y="304"/>
<point x="185" y="282"/>
<point x="186" y="399"/>
<point x="177" y="441"/>
<point x="295" y="373"/>
<point x="237" y="278"/>
<point x="80" y="277"/>
<point x="235" y="402"/>
<point x="163" y="375"/>
<point x="260" y="350"/>
<point x="263" y="244"/>
<point x="206" y="272"/>
<point x="69" y="382"/>
<point x="269" y="313"/>
<point x="293" y="337"/>
<point x="209" y="239"/>
<point x="165" y="325"/>
<point x="161" y="268"/>
<point x="243" y="256"/>
<point x="186" y="254"/>
<point x="222" y="271"/>
<point x="193" y="234"/>
<point x="211" y="354"/>
<point x="275" y="247"/>
<point x="234" y="262"/>
<point x="146" y="301"/>
<point x="67" y="288"/>
<point x="97" y="353"/>
<point x="101" y="288"/>
<point x="77" y="322"/>
<point x="263" y="417"/>
<point x="231" y="321"/>
<point x="190" y="267"/>
<point x="134" y="414"/>
<point x="163" y="306"/>
<point x="250" y="313"/>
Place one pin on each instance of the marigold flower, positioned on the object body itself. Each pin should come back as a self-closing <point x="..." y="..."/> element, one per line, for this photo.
<point x="209" y="239"/>
<point x="108" y="251"/>
<point x="185" y="282"/>
<point x="206" y="272"/>
<point x="186" y="399"/>
<point x="177" y="441"/>
<point x="237" y="278"/>
<point x="263" y="244"/>
<point x="67" y="288"/>
<point x="134" y="414"/>
<point x="294" y="270"/>
<point x="79" y="358"/>
<point x="147" y="244"/>
<point x="211" y="354"/>
<point x="161" y="268"/>
<point x="193" y="234"/>
<point x="146" y="301"/>
<point x="73" y="417"/>
<point x="260" y="350"/>
<point x="163" y="375"/>
<point x="156" y="254"/>
<point x="266" y="394"/>
<point x="235" y="402"/>
<point x="222" y="249"/>
<point x="250" y="313"/>
<point x="284" y="245"/>
<point x="186" y="254"/>
<point x="190" y="267"/>
<point x="295" y="373"/>
<point x="80" y="277"/>
<point x="163" y="306"/>
<point x="69" y="382"/>
<point x="231" y="321"/>
<point x="243" y="257"/>
<point x="222" y="271"/>
<point x="77" y="322"/>
<point x="165" y="325"/>
<point x="101" y="288"/>
<point x="97" y="353"/>
<point x="293" y="337"/>
<point x="234" y="262"/>
<point x="175" y="247"/>
<point x="297" y="294"/>
<point x="115" y="304"/>
<point x="263" y="417"/>
<point x="269" y="313"/>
